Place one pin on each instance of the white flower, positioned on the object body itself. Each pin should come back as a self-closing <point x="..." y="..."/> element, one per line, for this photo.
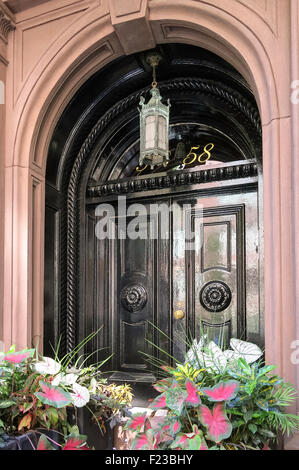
<point x="64" y="379"/>
<point x="47" y="366"/>
<point x="80" y="396"/>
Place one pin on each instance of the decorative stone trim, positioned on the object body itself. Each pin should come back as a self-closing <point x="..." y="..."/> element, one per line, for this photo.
<point x="7" y="22"/>
<point x="173" y="180"/>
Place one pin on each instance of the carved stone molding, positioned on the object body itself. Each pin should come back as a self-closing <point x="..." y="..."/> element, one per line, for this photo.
<point x="179" y="178"/>
<point x="7" y="22"/>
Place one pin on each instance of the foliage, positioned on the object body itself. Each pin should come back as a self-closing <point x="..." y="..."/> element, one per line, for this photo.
<point x="38" y="391"/>
<point x="20" y="406"/>
<point x="71" y="442"/>
<point x="217" y="400"/>
<point x="110" y="402"/>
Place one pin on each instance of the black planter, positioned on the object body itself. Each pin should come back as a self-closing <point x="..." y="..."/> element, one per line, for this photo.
<point x="95" y="438"/>
<point x="29" y="440"/>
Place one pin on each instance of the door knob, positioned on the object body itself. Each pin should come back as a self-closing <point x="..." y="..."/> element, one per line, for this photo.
<point x="179" y="314"/>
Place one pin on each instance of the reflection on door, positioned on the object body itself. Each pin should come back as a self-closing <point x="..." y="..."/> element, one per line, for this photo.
<point x="197" y="269"/>
<point x="217" y="281"/>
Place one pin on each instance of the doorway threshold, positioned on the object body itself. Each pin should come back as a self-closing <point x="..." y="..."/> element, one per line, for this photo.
<point x="132" y="377"/>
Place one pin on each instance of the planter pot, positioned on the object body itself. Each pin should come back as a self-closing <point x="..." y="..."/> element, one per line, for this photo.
<point x="29" y="440"/>
<point x="95" y="438"/>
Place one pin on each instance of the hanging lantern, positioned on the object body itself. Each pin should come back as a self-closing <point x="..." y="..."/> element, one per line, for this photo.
<point x="154" y="124"/>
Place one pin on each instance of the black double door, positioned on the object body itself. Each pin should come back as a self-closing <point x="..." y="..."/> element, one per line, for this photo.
<point x="171" y="264"/>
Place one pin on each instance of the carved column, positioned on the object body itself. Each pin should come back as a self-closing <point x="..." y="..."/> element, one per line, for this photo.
<point x="7" y="24"/>
<point x="292" y="347"/>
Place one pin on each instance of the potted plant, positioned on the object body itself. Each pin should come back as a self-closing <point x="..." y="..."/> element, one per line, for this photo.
<point x="28" y="402"/>
<point x="217" y="400"/>
<point x="45" y="395"/>
<point x="108" y="404"/>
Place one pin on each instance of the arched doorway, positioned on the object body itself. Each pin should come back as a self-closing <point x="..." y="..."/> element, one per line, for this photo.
<point x="92" y="160"/>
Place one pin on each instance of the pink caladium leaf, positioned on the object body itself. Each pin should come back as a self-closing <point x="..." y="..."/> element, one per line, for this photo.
<point x="159" y="402"/>
<point x="181" y="441"/>
<point x="223" y="391"/>
<point x="18" y="357"/>
<point x="137" y="422"/>
<point x="54" y="396"/>
<point x="44" y="444"/>
<point x="174" y="427"/>
<point x="75" y="442"/>
<point x="218" y="425"/>
<point x="190" y="441"/>
<point x="196" y="443"/>
<point x="162" y="385"/>
<point x="266" y="447"/>
<point x="167" y="369"/>
<point x="192" y="390"/>
<point x="145" y="441"/>
<point x="203" y="445"/>
<point x="169" y="428"/>
<point x="175" y="399"/>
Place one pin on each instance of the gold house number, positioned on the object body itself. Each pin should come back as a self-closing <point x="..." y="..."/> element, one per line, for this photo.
<point x="192" y="156"/>
<point x="201" y="158"/>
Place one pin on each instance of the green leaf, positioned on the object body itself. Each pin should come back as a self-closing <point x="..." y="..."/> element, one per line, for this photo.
<point x="6" y="403"/>
<point x="252" y="427"/>
<point x="265" y="370"/>
<point x="250" y="387"/>
<point x="235" y="412"/>
<point x="26" y="406"/>
<point x="25" y="422"/>
<point x="238" y="423"/>
<point x="248" y="416"/>
<point x="53" y="416"/>
<point x="267" y="433"/>
<point x="237" y="375"/>
<point x="74" y="429"/>
<point x="262" y="404"/>
<point x="244" y="366"/>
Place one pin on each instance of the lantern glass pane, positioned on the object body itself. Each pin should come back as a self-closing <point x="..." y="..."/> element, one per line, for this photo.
<point x="162" y="133"/>
<point x="150" y="132"/>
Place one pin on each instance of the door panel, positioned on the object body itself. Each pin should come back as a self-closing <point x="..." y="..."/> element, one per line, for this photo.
<point x="218" y="286"/>
<point x="137" y="269"/>
<point x="197" y="269"/>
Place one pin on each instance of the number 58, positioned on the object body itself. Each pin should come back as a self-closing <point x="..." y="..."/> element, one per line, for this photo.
<point x="202" y="158"/>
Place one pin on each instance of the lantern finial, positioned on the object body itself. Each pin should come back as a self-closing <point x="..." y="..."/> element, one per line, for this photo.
<point x="154" y="123"/>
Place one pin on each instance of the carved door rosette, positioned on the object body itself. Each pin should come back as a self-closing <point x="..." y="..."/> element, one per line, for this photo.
<point x="133" y="297"/>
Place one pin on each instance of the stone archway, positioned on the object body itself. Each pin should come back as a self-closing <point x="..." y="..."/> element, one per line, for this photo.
<point x="248" y="38"/>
